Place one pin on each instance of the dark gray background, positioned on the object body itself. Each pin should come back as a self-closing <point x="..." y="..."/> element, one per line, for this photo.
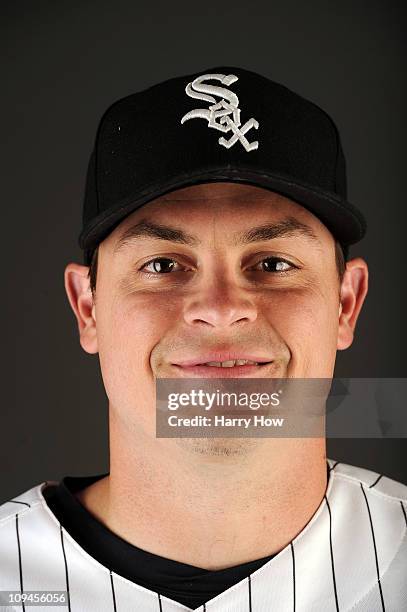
<point x="62" y="66"/>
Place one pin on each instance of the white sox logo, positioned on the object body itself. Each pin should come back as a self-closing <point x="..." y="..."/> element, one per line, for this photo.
<point x="228" y="105"/>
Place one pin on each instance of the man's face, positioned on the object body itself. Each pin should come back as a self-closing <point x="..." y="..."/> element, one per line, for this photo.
<point x="216" y="285"/>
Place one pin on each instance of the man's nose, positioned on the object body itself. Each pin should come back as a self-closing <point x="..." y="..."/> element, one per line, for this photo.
<point x="220" y="304"/>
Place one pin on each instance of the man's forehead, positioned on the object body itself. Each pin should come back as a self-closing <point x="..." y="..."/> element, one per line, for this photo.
<point x="185" y="216"/>
<point x="234" y="201"/>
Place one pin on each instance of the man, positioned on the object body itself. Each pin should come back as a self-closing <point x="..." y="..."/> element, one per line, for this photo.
<point x="215" y="227"/>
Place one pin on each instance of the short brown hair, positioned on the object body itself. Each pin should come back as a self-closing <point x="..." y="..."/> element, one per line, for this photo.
<point x="92" y="275"/>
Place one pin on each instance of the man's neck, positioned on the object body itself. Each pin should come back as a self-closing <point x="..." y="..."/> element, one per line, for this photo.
<point x="210" y="511"/>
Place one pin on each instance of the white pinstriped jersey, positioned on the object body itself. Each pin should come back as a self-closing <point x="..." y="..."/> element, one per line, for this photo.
<point x="351" y="556"/>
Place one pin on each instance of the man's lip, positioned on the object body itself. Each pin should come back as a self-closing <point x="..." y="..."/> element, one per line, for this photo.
<point x="204" y="371"/>
<point x="220" y="357"/>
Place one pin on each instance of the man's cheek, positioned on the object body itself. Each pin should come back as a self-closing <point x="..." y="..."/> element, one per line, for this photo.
<point x="292" y="312"/>
<point x="135" y="329"/>
<point x="138" y="311"/>
<point x="126" y="370"/>
<point x="303" y="320"/>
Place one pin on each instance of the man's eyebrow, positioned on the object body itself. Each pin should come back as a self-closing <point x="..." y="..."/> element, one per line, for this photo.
<point x="148" y="229"/>
<point x="287" y="227"/>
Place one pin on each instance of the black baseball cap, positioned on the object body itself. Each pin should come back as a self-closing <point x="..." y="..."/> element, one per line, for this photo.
<point x="222" y="124"/>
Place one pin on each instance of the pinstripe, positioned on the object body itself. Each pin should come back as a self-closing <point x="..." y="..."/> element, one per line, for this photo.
<point x="113" y="594"/>
<point x="293" y="558"/>
<point x="16" y="501"/>
<point x="249" y="582"/>
<point x="19" y="561"/>
<point x="374" y="546"/>
<point x="66" y="569"/>
<point x="332" y="555"/>
<point x="376" y="481"/>
<point x="404" y="511"/>
<point x="160" y="605"/>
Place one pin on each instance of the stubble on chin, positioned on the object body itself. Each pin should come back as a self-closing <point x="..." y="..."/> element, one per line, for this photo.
<point x="218" y="447"/>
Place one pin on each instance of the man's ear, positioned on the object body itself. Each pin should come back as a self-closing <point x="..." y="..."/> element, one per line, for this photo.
<point x="353" y="292"/>
<point x="77" y="287"/>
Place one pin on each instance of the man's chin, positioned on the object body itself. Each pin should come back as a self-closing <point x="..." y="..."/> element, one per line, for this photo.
<point x="218" y="448"/>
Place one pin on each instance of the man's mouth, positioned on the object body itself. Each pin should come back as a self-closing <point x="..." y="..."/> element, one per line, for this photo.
<point x="230" y="364"/>
<point x="225" y="368"/>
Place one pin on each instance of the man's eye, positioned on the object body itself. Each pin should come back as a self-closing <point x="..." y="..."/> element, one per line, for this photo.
<point x="164" y="265"/>
<point x="159" y="265"/>
<point x="275" y="264"/>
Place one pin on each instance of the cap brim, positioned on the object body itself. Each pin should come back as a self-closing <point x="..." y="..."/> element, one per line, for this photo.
<point x="343" y="219"/>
